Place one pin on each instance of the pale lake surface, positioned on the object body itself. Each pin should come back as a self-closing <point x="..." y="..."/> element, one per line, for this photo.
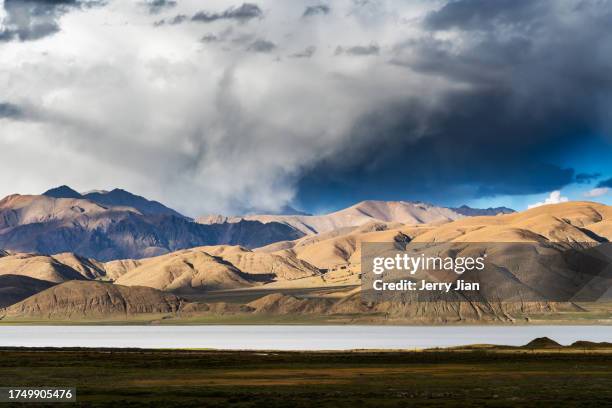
<point x="290" y="337"/>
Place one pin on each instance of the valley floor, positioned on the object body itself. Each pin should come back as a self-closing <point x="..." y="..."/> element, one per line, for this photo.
<point x="434" y="378"/>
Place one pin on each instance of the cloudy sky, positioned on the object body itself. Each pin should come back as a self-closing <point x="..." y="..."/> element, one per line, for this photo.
<point x="231" y="107"/>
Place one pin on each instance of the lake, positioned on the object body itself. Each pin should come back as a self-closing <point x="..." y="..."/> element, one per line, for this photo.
<point x="290" y="337"/>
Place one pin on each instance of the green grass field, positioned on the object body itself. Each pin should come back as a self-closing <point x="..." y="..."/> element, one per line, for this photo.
<point x="495" y="378"/>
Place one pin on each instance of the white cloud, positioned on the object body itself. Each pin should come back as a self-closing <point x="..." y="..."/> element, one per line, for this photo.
<point x="555" y="197"/>
<point x="597" y="192"/>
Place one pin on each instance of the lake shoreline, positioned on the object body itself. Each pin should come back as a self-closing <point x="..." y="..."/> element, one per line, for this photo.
<point x="291" y="338"/>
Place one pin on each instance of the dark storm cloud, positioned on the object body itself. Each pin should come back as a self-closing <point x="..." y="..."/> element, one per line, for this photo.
<point x="486" y="14"/>
<point x="10" y="111"/>
<point x="320" y="9"/>
<point x="407" y="150"/>
<point x="605" y="183"/>
<point x="358" y="50"/>
<point x="157" y="6"/>
<point x="244" y="13"/>
<point x="583" y="178"/>
<point x="28" y="20"/>
<point x="528" y="84"/>
<point x="261" y="46"/>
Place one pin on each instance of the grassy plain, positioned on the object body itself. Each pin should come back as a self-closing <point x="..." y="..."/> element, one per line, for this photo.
<point x="495" y="377"/>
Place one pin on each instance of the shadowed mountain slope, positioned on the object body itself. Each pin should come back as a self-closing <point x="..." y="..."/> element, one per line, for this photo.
<point x="38" y="267"/>
<point x="122" y="198"/>
<point x="477" y="212"/>
<point x="48" y="225"/>
<point x="190" y="270"/>
<point x="214" y="268"/>
<point x="82" y="300"/>
<point x="15" y="288"/>
<point x="62" y="192"/>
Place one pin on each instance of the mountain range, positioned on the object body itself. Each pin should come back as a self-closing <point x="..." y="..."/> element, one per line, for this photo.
<point x="356" y="215"/>
<point x="315" y="274"/>
<point x="117" y="224"/>
<point x="49" y="225"/>
<point x="405" y="212"/>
